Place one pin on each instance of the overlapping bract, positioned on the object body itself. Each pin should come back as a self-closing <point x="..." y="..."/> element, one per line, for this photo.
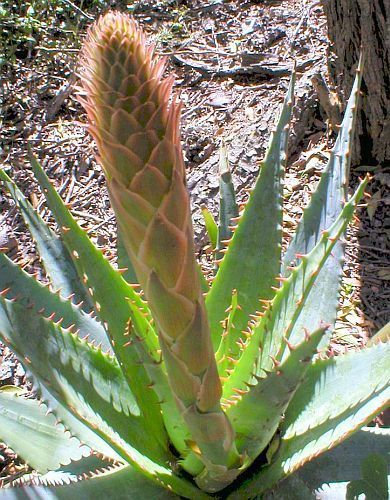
<point x="137" y="134"/>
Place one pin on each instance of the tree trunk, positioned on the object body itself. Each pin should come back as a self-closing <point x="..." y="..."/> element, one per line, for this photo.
<point x="352" y="25"/>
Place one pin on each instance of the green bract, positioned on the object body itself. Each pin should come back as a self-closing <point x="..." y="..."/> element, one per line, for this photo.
<point x="189" y="390"/>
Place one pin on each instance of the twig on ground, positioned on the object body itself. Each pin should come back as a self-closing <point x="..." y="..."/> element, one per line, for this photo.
<point x="86" y="215"/>
<point x="80" y="11"/>
<point x="57" y="49"/>
<point x="256" y="69"/>
<point x="209" y="72"/>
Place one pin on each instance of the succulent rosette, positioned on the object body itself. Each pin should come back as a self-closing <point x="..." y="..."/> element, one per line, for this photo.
<point x="185" y="389"/>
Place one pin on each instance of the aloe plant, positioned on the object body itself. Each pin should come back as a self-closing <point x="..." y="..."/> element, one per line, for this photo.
<point x="166" y="386"/>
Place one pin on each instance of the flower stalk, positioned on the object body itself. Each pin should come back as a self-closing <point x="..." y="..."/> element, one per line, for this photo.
<point x="137" y="132"/>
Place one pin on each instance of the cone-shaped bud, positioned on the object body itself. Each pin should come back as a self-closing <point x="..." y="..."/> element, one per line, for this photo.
<point x="137" y="133"/>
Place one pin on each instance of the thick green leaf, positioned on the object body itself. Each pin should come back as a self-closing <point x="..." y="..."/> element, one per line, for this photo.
<point x="325" y="206"/>
<point x="203" y="281"/>
<point x="253" y="256"/>
<point x="256" y="416"/>
<point x="128" y="321"/>
<point x="265" y="342"/>
<point x="330" y="389"/>
<point x="117" y="483"/>
<point x="327" y="476"/>
<point x="222" y="356"/>
<point x="374" y="483"/>
<point x="228" y="208"/>
<point x="291" y="316"/>
<point x="124" y="261"/>
<point x="31" y="293"/>
<point x="82" y="378"/>
<point x="55" y="257"/>
<point x="91" y="385"/>
<point x="121" y="310"/>
<point x="293" y="488"/>
<point x="327" y="201"/>
<point x="84" y="468"/>
<point x="211" y="227"/>
<point x="35" y="435"/>
<point x="332" y="403"/>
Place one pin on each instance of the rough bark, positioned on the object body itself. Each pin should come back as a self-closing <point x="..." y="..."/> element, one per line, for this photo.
<point x="352" y="25"/>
